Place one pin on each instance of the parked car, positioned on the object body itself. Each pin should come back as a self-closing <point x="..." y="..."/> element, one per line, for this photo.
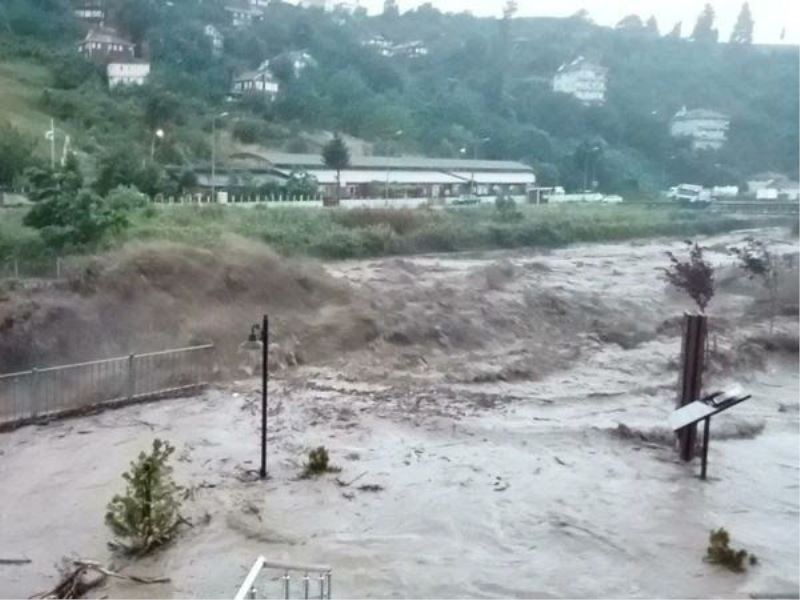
<point x="687" y="193"/>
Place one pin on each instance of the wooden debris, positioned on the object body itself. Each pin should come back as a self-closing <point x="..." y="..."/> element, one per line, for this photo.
<point x="84" y="575"/>
<point x="352" y="481"/>
<point x="370" y="487"/>
<point x="15" y="561"/>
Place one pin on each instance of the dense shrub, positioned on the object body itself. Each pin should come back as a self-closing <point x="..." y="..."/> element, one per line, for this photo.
<point x="318" y="463"/>
<point x="401" y="222"/>
<point x="719" y="552"/>
<point x="16" y="153"/>
<point x="250" y="131"/>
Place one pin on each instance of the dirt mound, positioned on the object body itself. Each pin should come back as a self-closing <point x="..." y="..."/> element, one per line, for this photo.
<point x="154" y="296"/>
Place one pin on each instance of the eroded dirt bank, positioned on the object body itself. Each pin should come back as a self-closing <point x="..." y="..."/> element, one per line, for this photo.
<point x="512" y="406"/>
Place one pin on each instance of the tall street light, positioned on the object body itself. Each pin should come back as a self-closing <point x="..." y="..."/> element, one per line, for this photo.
<point x="214" y="154"/>
<point x="253" y="343"/>
<point x="475" y="147"/>
<point x="157" y="134"/>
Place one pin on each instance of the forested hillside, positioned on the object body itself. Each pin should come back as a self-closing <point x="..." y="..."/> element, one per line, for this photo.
<point x="484" y="85"/>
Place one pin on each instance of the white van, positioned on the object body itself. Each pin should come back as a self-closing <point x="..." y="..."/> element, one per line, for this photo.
<point x="687" y="193"/>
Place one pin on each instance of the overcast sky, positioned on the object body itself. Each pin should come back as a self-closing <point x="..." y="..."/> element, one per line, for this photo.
<point x="770" y="16"/>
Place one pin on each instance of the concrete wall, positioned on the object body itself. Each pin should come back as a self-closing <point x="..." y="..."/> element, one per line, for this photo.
<point x="349" y="203"/>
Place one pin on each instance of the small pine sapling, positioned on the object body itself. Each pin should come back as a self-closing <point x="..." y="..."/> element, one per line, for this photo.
<point x="318" y="463"/>
<point x="694" y="275"/>
<point x="148" y="513"/>
<point x="719" y="552"/>
<point x="758" y="262"/>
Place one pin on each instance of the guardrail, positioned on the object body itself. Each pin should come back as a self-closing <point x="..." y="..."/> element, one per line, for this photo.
<point x="757" y="207"/>
<point x="42" y="394"/>
<point x="742" y="206"/>
<point x="321" y="576"/>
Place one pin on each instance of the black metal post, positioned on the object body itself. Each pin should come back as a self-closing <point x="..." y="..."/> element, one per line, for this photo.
<point x="264" y="381"/>
<point x="706" y="428"/>
<point x="692" y="355"/>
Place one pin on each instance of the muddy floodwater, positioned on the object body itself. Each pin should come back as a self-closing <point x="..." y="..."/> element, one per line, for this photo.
<point x="504" y="435"/>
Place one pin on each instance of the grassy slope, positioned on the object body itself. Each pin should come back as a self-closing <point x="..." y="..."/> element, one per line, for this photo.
<point x="331" y="234"/>
<point x="356" y="234"/>
<point x="21" y="85"/>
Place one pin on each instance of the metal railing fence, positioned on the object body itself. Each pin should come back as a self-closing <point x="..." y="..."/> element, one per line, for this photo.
<point x="314" y="581"/>
<point x="27" y="396"/>
<point x="42" y="267"/>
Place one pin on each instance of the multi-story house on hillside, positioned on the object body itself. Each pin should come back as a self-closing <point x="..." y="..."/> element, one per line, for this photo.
<point x="582" y="79"/>
<point x="127" y="72"/>
<point x="91" y="11"/>
<point x="243" y="14"/>
<point x="707" y="129"/>
<point x="384" y="47"/>
<point x="261" y="82"/>
<point x="103" y="44"/>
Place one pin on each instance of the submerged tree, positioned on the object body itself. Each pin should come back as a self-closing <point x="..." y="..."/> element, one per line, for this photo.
<point x="147" y="514"/>
<point x="336" y="157"/>
<point x="694" y="275"/>
<point x="758" y="262"/>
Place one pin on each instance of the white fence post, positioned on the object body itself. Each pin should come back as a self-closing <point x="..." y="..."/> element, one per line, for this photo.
<point x="131" y="376"/>
<point x="35" y="391"/>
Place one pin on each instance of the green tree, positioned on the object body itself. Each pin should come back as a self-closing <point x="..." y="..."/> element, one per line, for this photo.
<point x="126" y="166"/>
<point x="148" y="514"/>
<point x="675" y="32"/>
<point x="75" y="220"/>
<point x="134" y="17"/>
<point x="758" y="262"/>
<point x="743" y="29"/>
<point x="704" y="30"/>
<point x="336" y="156"/>
<point x="126" y="198"/>
<point x="652" y="25"/>
<point x="16" y="153"/>
<point x="694" y="275"/>
<point x="300" y="184"/>
<point x="68" y="215"/>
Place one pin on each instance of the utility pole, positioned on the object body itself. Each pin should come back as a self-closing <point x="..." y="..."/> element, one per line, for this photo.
<point x="474" y="158"/>
<point x="214" y="154"/>
<point x="51" y="135"/>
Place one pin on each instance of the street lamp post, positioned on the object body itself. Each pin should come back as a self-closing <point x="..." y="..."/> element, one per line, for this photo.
<point x="253" y="343"/>
<point x="475" y="147"/>
<point x="214" y="154"/>
<point x="157" y="134"/>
